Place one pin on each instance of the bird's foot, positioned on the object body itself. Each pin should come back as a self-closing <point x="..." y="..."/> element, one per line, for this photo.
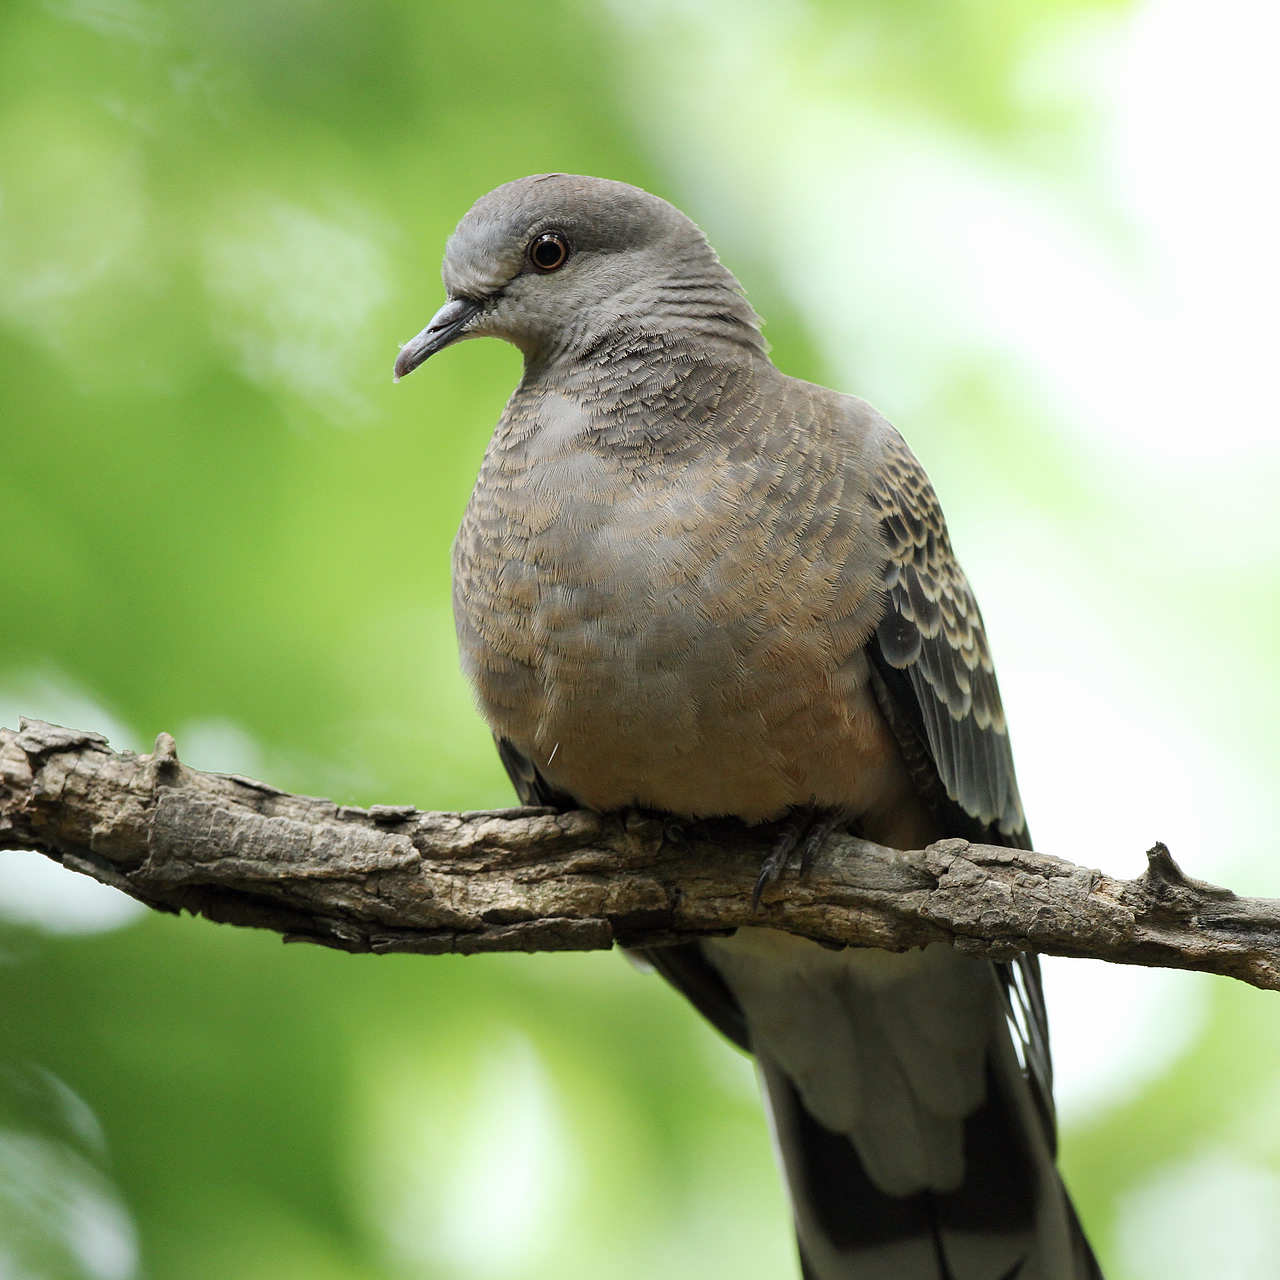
<point x="823" y="824"/>
<point x="807" y="829"/>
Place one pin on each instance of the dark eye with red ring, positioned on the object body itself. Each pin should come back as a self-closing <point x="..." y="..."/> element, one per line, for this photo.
<point x="548" y="252"/>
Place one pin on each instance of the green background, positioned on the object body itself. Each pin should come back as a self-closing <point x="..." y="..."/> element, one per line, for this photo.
<point x="1039" y="236"/>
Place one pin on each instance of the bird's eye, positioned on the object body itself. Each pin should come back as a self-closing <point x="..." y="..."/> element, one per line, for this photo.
<point x="549" y="251"/>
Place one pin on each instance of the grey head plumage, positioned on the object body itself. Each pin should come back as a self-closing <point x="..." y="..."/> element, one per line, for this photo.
<point x="555" y="262"/>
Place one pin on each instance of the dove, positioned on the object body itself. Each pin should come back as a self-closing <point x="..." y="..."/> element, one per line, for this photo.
<point x="689" y="583"/>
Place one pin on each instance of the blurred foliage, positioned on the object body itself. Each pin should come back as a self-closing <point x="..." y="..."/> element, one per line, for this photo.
<point x="223" y="520"/>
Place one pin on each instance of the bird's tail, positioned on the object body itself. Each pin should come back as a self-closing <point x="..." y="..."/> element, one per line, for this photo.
<point x="1010" y="1219"/>
<point x="911" y="1140"/>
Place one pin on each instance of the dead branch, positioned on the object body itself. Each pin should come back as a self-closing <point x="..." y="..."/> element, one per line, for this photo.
<point x="394" y="878"/>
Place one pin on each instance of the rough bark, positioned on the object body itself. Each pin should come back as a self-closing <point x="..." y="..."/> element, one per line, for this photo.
<point x="393" y="878"/>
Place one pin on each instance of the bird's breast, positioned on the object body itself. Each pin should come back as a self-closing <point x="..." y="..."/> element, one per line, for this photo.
<point x="686" y="637"/>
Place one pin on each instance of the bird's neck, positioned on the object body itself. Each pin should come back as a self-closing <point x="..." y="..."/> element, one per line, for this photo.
<point x="655" y="390"/>
<point x="695" y="307"/>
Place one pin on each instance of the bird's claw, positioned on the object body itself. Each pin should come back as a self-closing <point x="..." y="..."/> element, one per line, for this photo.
<point x="807" y="829"/>
<point x="823" y="825"/>
<point x="772" y="866"/>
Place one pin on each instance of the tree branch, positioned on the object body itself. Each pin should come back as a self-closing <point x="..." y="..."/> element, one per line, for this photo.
<point x="393" y="878"/>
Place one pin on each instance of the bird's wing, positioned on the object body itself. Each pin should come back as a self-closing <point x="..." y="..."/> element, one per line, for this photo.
<point x="935" y="683"/>
<point x="930" y="650"/>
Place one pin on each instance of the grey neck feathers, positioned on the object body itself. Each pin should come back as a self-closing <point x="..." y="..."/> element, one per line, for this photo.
<point x="698" y="299"/>
<point x="693" y="306"/>
<point x="653" y="394"/>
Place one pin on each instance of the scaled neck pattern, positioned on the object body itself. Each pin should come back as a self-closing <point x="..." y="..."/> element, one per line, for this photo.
<point x="656" y="395"/>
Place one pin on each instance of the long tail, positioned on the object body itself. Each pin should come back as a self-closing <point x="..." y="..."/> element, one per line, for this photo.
<point x="911" y="1141"/>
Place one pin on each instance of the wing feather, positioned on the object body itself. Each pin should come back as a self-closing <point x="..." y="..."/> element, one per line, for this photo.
<point x="935" y="682"/>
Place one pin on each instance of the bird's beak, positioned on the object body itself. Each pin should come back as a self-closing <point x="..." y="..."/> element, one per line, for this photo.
<point x="447" y="325"/>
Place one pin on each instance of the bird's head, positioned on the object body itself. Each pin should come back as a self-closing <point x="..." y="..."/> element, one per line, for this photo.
<point x="553" y="262"/>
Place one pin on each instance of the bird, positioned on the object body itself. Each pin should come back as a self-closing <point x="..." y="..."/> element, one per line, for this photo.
<point x="689" y="584"/>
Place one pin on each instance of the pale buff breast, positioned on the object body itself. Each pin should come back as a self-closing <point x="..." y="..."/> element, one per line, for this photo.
<point x="686" y="638"/>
